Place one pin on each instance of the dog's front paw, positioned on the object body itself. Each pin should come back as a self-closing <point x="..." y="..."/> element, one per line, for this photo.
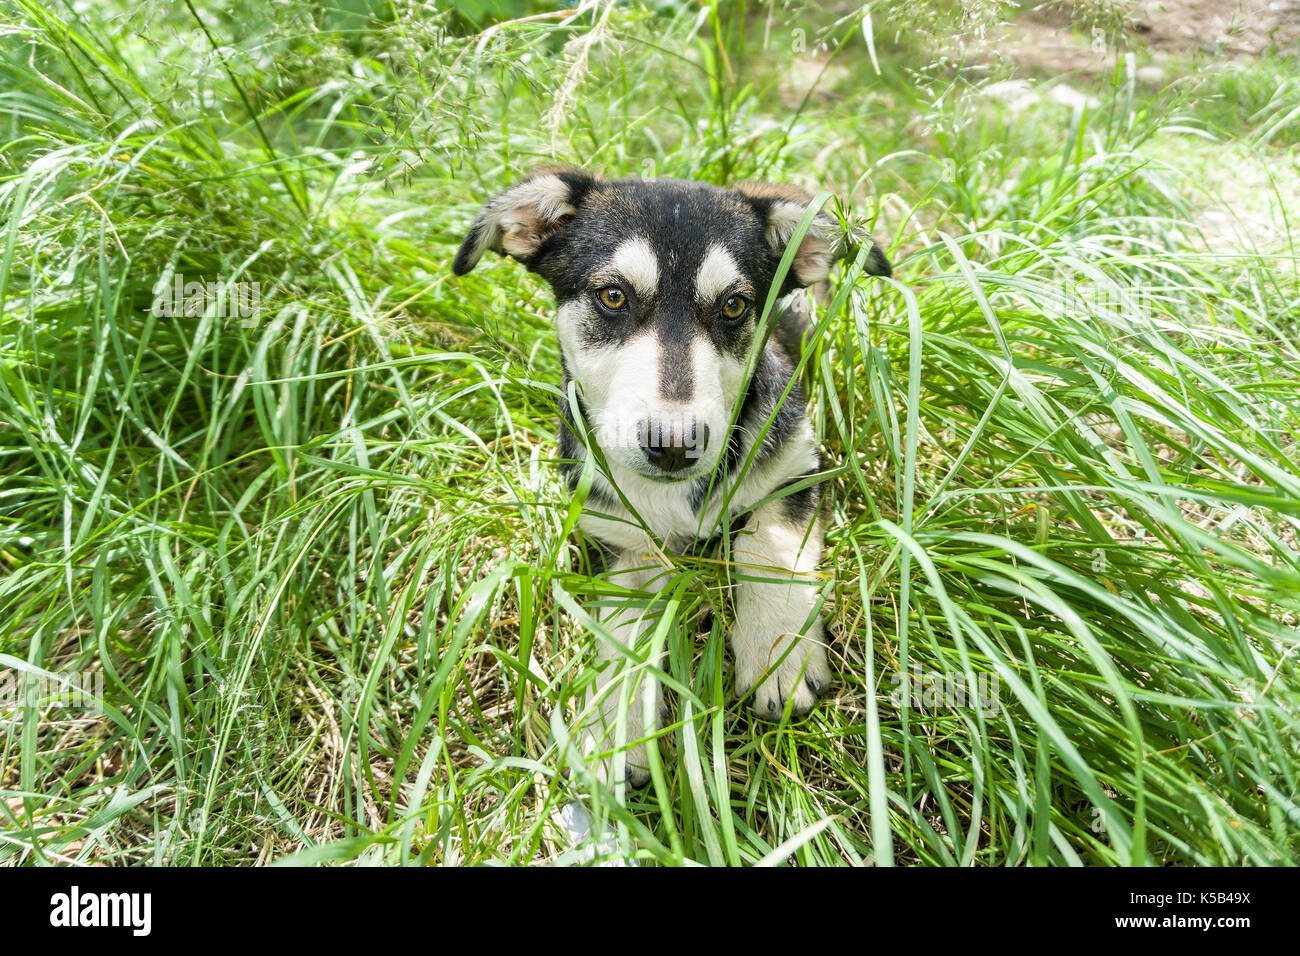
<point x="774" y="668"/>
<point x="604" y="736"/>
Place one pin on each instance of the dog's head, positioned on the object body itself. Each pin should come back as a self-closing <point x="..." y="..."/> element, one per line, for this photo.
<point x="659" y="285"/>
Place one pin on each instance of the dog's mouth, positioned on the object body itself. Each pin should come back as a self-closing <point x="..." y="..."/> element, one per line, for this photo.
<point x="644" y="469"/>
<point x="675" y="478"/>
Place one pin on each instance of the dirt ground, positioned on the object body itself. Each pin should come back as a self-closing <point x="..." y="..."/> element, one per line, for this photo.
<point x="1251" y="27"/>
<point x="1051" y="40"/>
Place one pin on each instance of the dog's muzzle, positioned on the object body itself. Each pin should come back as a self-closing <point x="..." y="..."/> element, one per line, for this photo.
<point x="673" y="447"/>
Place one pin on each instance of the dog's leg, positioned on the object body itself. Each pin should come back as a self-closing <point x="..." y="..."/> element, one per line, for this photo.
<point x="626" y="621"/>
<point x="777" y="657"/>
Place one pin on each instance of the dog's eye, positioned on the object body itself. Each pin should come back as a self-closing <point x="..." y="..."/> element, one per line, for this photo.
<point x="612" y="298"/>
<point x="735" y="307"/>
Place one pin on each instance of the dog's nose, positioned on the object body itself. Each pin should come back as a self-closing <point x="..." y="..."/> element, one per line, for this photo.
<point x="672" y="449"/>
<point x="668" y="458"/>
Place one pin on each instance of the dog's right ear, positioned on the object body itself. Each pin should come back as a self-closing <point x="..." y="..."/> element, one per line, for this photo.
<point x="518" y="221"/>
<point x="783" y="207"/>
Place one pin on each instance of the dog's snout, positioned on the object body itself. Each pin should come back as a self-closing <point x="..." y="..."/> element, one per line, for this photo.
<point x="672" y="448"/>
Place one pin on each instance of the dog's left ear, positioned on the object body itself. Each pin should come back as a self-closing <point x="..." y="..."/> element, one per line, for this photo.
<point x="518" y="221"/>
<point x="783" y="207"/>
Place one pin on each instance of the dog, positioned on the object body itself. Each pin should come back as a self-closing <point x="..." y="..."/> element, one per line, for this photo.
<point x="659" y="287"/>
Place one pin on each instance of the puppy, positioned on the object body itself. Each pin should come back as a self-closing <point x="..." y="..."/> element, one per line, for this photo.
<point x="660" y="285"/>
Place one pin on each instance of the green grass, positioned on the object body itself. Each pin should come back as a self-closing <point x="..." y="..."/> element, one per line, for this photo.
<point x="324" y="561"/>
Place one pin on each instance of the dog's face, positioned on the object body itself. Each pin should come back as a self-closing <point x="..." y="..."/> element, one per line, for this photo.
<point x="659" y="286"/>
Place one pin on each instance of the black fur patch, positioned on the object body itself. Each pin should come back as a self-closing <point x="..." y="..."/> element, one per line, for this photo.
<point x="771" y="377"/>
<point x="572" y="452"/>
<point x="676" y="381"/>
<point x="800" y="506"/>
